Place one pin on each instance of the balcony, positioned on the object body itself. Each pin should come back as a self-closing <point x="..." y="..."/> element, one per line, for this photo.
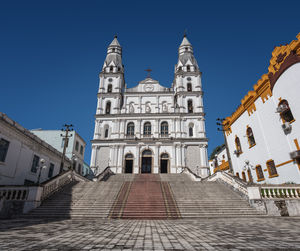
<point x="164" y="135"/>
<point x="129" y="136"/>
<point x="147" y="135"/>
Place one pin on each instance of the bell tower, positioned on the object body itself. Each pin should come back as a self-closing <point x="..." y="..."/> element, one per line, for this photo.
<point x="111" y="81"/>
<point x="187" y="80"/>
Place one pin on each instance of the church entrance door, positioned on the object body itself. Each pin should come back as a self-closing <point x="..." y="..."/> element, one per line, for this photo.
<point x="128" y="163"/>
<point x="164" y="166"/>
<point x="164" y="162"/>
<point x="146" y="162"/>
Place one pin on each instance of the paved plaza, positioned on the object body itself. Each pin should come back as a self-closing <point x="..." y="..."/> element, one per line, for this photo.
<point x="198" y="234"/>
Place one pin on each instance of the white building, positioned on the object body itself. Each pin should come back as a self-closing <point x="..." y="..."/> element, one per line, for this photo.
<point x="21" y="153"/>
<point x="75" y="146"/>
<point x="219" y="162"/>
<point x="150" y="128"/>
<point x="263" y="134"/>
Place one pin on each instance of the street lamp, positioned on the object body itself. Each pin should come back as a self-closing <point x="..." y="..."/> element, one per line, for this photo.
<point x="41" y="166"/>
<point x="74" y="160"/>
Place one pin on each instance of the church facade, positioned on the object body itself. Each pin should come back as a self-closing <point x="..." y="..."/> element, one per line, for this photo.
<point x="150" y="128"/>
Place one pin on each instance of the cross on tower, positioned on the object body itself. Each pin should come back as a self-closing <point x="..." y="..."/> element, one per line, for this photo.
<point x="149" y="71"/>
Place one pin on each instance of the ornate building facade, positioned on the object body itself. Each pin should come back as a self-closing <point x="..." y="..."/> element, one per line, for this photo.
<point x="263" y="134"/>
<point x="150" y="128"/>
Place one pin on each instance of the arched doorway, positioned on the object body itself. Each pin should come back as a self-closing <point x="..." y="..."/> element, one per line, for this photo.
<point x="164" y="163"/>
<point x="128" y="163"/>
<point x="146" y="161"/>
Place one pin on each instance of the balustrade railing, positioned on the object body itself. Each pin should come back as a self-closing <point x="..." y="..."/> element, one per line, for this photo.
<point x="58" y="182"/>
<point x="231" y="181"/>
<point x="280" y="192"/>
<point x="14" y="193"/>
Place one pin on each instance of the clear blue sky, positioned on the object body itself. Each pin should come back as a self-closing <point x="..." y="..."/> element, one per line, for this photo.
<point x="52" y="51"/>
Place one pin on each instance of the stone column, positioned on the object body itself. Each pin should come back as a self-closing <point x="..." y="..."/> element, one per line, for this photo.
<point x="136" y="158"/>
<point x="173" y="160"/>
<point x="156" y="159"/>
<point x="93" y="157"/>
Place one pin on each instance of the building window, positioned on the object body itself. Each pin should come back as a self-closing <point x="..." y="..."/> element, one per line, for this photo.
<point x="249" y="175"/>
<point x="79" y="168"/>
<point x="130" y="129"/>
<point x="191" y="130"/>
<point x="111" y="68"/>
<point x="188" y="68"/>
<point x="109" y="88"/>
<point x="35" y="163"/>
<point x="272" y="169"/>
<point x="238" y="146"/>
<point x="259" y="173"/>
<point x="77" y="146"/>
<point x="107" y="109"/>
<point x="113" y="50"/>
<point x="190" y="106"/>
<point x="285" y="111"/>
<point x="179" y="68"/>
<point x="147" y="128"/>
<point x="250" y="137"/>
<point x="237" y="175"/>
<point x="81" y="150"/>
<point x="51" y="169"/>
<point x="164" y="128"/>
<point x="106" y="133"/>
<point x="244" y="176"/>
<point x="189" y="87"/>
<point x="119" y="68"/>
<point x="4" y="144"/>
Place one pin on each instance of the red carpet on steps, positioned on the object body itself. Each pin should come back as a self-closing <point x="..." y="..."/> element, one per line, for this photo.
<point x="146" y="197"/>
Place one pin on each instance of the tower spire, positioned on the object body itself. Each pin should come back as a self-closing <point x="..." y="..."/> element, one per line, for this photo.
<point x="113" y="60"/>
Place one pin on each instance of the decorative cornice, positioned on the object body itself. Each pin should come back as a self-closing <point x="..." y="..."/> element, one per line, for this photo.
<point x="170" y="140"/>
<point x="282" y="58"/>
<point x="155" y="115"/>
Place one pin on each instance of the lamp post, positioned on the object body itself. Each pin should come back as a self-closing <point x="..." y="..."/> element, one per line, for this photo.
<point x="74" y="159"/>
<point x="41" y="166"/>
<point x="225" y="141"/>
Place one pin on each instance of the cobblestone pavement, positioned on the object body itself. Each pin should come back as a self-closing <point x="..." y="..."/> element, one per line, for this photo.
<point x="200" y="234"/>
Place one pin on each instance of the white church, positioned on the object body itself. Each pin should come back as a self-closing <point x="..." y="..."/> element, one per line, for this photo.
<point x="150" y="128"/>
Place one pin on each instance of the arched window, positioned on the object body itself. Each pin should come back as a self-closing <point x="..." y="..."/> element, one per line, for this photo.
<point x="107" y="109"/>
<point x="191" y="130"/>
<point x="129" y="156"/>
<point x="130" y="129"/>
<point x="164" y="128"/>
<point x="109" y="88"/>
<point x="111" y="68"/>
<point x="106" y="133"/>
<point x="147" y="128"/>
<point x="250" y="137"/>
<point x="164" y="156"/>
<point x="189" y="87"/>
<point x="190" y="106"/>
<point x="119" y="68"/>
<point x="249" y="175"/>
<point x="188" y="68"/>
<point x="259" y="173"/>
<point x="244" y="176"/>
<point x="285" y="111"/>
<point x="179" y="68"/>
<point x="113" y="50"/>
<point x="147" y="153"/>
<point x="238" y="146"/>
<point x="237" y="175"/>
<point x="272" y="168"/>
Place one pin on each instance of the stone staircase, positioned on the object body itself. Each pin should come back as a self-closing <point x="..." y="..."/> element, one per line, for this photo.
<point x="144" y="196"/>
